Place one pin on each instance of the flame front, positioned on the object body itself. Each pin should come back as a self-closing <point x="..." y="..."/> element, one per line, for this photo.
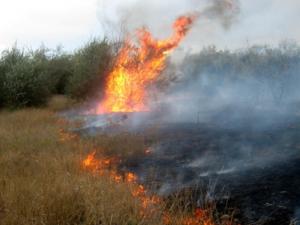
<point x="136" y="67"/>
<point x="104" y="166"/>
<point x="150" y="204"/>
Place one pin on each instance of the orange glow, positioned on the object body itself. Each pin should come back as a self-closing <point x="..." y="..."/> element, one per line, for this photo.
<point x="101" y="166"/>
<point x="149" y="203"/>
<point x="200" y="216"/>
<point x="90" y="160"/>
<point x="138" y="66"/>
<point x="130" y="177"/>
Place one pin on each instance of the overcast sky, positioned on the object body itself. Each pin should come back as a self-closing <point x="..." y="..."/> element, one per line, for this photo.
<point x="72" y="22"/>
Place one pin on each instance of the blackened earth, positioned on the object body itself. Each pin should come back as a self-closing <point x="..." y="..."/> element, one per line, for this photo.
<point x="254" y="169"/>
<point x="257" y="171"/>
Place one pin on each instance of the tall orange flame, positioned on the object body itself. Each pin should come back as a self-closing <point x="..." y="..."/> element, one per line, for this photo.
<point x="136" y="67"/>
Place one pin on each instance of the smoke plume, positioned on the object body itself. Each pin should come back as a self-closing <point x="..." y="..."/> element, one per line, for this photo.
<point x="158" y="15"/>
<point x="225" y="11"/>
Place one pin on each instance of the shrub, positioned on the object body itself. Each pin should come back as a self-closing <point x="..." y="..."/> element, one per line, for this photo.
<point x="90" y="65"/>
<point x="60" y="69"/>
<point x="29" y="78"/>
<point x="25" y="80"/>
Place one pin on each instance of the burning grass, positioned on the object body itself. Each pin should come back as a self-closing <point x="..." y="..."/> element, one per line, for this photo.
<point x="42" y="181"/>
<point x="47" y="177"/>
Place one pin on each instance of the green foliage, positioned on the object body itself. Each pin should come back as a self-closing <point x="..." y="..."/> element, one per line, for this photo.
<point x="90" y="65"/>
<point x="29" y="78"/>
<point x="24" y="79"/>
<point x="60" y="69"/>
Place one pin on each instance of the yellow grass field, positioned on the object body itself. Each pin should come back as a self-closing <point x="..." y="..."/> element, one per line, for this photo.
<point x="42" y="180"/>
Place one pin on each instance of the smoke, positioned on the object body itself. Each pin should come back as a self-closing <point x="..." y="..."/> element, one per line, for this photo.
<point x="225" y="11"/>
<point x="227" y="115"/>
<point x="126" y="16"/>
<point x="204" y="92"/>
<point x="253" y="87"/>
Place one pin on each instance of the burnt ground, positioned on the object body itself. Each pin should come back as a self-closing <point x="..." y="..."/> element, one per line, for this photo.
<point x="238" y="164"/>
<point x="257" y="171"/>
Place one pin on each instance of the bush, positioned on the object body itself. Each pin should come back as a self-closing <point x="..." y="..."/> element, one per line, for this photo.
<point x="90" y="65"/>
<point x="60" y="69"/>
<point x="29" y="78"/>
<point x="24" y="79"/>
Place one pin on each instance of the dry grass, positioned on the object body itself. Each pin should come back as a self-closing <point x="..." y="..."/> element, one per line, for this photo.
<point x="42" y="179"/>
<point x="42" y="182"/>
<point x="60" y="102"/>
<point x="123" y="145"/>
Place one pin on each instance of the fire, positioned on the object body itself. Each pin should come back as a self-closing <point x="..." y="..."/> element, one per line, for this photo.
<point x="138" y="66"/>
<point x="90" y="161"/>
<point x="200" y="217"/>
<point x="103" y="166"/>
<point x="149" y="203"/>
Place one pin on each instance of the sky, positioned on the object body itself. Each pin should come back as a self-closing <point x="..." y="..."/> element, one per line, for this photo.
<point x="71" y="23"/>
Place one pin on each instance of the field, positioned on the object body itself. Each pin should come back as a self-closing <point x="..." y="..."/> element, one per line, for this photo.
<point x="138" y="113"/>
<point x="51" y="176"/>
<point x="43" y="179"/>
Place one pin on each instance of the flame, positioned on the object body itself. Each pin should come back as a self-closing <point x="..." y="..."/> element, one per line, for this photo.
<point x="104" y="166"/>
<point x="200" y="217"/>
<point x="138" y="66"/>
<point x="149" y="203"/>
<point x="90" y="161"/>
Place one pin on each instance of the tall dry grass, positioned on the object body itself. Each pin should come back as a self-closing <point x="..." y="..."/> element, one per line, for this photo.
<point x="42" y="180"/>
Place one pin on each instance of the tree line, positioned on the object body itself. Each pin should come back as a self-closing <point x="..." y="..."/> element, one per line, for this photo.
<point x="30" y="77"/>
